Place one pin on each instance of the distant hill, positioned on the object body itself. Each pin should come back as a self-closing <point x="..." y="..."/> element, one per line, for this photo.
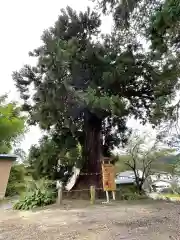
<point x="170" y="159"/>
<point x="166" y="163"/>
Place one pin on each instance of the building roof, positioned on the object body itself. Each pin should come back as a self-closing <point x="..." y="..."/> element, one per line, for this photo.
<point x="159" y="182"/>
<point x="128" y="173"/>
<point x="8" y="157"/>
<point x="159" y="172"/>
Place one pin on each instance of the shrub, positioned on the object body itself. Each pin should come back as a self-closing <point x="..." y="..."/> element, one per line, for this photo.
<point x="129" y="192"/>
<point x="16" y="182"/>
<point x="38" y="194"/>
<point x="167" y="191"/>
<point x="130" y="196"/>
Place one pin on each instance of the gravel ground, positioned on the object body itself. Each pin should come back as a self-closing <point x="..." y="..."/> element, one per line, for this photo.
<point x="118" y="221"/>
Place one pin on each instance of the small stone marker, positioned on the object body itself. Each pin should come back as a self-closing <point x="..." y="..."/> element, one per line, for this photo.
<point x="59" y="187"/>
<point x="92" y="194"/>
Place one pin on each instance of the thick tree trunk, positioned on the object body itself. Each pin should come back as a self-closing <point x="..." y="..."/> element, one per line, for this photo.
<point x="91" y="171"/>
<point x="139" y="185"/>
<point x="92" y="149"/>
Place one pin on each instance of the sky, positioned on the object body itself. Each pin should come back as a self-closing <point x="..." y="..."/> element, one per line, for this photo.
<point x="22" y="23"/>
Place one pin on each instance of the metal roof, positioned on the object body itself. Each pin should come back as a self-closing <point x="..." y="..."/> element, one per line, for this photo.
<point x="8" y="157"/>
<point x="129" y="173"/>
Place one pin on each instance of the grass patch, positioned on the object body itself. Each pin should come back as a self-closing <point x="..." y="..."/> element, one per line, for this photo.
<point x="171" y="195"/>
<point x="129" y="192"/>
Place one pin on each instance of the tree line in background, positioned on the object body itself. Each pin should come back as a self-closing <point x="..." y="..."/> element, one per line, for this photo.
<point x="87" y="84"/>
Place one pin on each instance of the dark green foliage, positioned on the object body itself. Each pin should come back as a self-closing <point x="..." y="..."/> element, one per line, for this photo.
<point x="121" y="10"/>
<point x="38" y="194"/>
<point x="165" y="26"/>
<point x="132" y="15"/>
<point x="43" y="158"/>
<point x="16" y="183"/>
<point x="129" y="192"/>
<point x="130" y="196"/>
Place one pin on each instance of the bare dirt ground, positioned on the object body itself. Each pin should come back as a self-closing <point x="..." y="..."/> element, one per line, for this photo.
<point x="119" y="221"/>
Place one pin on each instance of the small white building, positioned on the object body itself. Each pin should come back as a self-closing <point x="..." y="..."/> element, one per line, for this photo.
<point x="162" y="180"/>
<point x="157" y="181"/>
<point x="127" y="177"/>
<point x="160" y="176"/>
<point x="159" y="185"/>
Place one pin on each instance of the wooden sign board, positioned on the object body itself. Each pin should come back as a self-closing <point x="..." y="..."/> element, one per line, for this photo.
<point x="108" y="174"/>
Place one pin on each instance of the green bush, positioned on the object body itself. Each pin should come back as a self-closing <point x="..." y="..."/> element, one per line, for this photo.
<point x="129" y="196"/>
<point x="128" y="192"/>
<point x="15" y="189"/>
<point x="16" y="183"/>
<point x="38" y="194"/>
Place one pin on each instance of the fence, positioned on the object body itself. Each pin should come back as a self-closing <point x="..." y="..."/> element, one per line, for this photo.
<point x="91" y="192"/>
<point x="108" y="179"/>
<point x="128" y="193"/>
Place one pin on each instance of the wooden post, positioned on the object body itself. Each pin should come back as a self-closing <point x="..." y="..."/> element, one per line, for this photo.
<point x="92" y="194"/>
<point x="59" y="187"/>
<point x="113" y="195"/>
<point x="107" y="196"/>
